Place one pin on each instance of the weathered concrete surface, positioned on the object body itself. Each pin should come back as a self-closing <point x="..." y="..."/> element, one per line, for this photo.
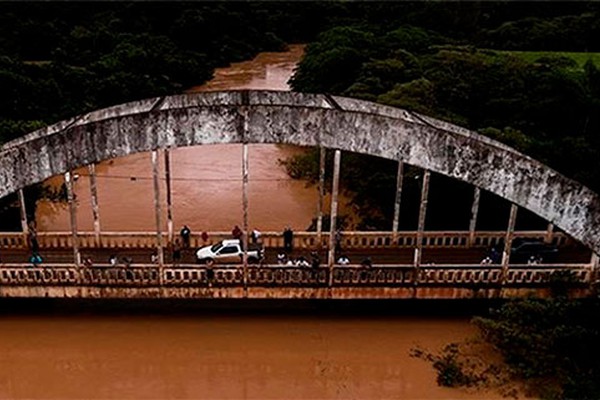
<point x="108" y="292"/>
<point x="306" y="120"/>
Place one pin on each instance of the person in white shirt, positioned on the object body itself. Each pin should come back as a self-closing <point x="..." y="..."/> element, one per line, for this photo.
<point x="343" y="260"/>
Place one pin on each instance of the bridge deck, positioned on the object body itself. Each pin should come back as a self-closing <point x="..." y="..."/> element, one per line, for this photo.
<point x="569" y="254"/>
<point x="449" y="269"/>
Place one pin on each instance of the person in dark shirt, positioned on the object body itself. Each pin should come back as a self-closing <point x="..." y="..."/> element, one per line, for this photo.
<point x="185" y="235"/>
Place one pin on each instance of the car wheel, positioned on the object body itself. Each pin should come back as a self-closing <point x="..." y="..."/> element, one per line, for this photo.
<point x="252" y="260"/>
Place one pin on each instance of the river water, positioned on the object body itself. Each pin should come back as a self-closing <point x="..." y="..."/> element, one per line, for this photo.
<point x="206" y="180"/>
<point x="211" y="354"/>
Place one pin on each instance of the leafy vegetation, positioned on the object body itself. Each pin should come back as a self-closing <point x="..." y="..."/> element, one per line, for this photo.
<point x="547" y="107"/>
<point x="548" y="346"/>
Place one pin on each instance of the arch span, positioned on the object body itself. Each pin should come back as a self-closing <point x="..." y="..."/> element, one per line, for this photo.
<point x="305" y="120"/>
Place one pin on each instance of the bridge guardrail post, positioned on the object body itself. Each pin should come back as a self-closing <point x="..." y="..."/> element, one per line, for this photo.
<point x="24" y="223"/>
<point x="421" y="228"/>
<point x="322" y="154"/>
<point x="594" y="266"/>
<point x="508" y="242"/>
<point x="94" y="201"/>
<point x="245" y="211"/>
<point x="157" y="212"/>
<point x="474" y="212"/>
<point x="73" y="214"/>
<point x="395" y="223"/>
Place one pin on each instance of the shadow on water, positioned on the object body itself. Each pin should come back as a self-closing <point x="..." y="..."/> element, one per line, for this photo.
<point x="181" y="307"/>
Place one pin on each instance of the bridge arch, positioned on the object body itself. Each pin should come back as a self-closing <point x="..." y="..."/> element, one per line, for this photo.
<point x="304" y="120"/>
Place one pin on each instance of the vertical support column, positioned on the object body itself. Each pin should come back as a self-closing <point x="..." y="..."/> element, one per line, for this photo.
<point x="593" y="269"/>
<point x="334" y="206"/>
<point x="421" y="225"/>
<point x="94" y="200"/>
<point x="73" y="213"/>
<point x="399" y="179"/>
<point x="169" y="203"/>
<point x="322" y="153"/>
<point x="549" y="233"/>
<point x="24" y="225"/>
<point x="245" y="209"/>
<point x="157" y="211"/>
<point x="474" y="212"/>
<point x="510" y="230"/>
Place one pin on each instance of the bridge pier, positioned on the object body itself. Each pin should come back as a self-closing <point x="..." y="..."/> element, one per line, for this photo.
<point x="322" y="154"/>
<point x="395" y="223"/>
<point x="94" y="201"/>
<point x="594" y="269"/>
<point x="23" y="210"/>
<point x="420" y="229"/>
<point x="157" y="210"/>
<point x="73" y="215"/>
<point x="168" y="189"/>
<point x="510" y="230"/>
<point x="245" y="211"/>
<point x="474" y="212"/>
<point x="333" y="216"/>
<point x="421" y="223"/>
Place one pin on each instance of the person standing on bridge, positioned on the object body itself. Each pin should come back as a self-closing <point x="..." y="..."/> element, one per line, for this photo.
<point x="87" y="262"/>
<point x="255" y="235"/>
<point x="338" y="241"/>
<point x="210" y="273"/>
<point x="35" y="259"/>
<point x="112" y="260"/>
<point x="237" y="233"/>
<point x="176" y="253"/>
<point x="343" y="260"/>
<point x="33" y="241"/>
<point x="185" y="235"/>
<point x="288" y="239"/>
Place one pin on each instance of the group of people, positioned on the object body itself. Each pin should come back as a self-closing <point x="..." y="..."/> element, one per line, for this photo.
<point x="238" y="233"/>
<point x="301" y="261"/>
<point x="184" y="242"/>
<point x="494" y="257"/>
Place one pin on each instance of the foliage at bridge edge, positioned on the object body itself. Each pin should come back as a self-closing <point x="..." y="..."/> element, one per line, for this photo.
<point x="548" y="107"/>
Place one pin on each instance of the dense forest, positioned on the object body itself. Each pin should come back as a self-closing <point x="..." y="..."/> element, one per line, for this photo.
<point x="62" y="59"/>
<point x="488" y="80"/>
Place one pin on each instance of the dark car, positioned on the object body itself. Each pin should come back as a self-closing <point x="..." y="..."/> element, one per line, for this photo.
<point x="523" y="252"/>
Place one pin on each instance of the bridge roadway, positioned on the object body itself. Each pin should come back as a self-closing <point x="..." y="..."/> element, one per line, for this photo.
<point x="384" y="256"/>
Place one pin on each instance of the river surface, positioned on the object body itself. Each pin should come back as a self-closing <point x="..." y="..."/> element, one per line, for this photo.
<point x="209" y="355"/>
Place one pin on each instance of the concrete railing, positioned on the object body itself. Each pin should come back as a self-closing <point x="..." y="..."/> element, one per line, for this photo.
<point x="302" y="240"/>
<point x="138" y="275"/>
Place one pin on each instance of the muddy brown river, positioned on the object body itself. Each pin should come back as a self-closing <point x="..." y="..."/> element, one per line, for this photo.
<point x="206" y="180"/>
<point x="212" y="355"/>
<point x="224" y="357"/>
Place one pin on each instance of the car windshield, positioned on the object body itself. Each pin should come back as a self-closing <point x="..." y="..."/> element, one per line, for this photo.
<point x="216" y="247"/>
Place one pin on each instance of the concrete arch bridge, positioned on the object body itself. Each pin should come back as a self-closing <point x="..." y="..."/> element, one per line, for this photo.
<point x="327" y="122"/>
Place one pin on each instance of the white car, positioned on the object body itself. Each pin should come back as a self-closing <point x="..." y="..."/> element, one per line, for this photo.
<point x="229" y="252"/>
